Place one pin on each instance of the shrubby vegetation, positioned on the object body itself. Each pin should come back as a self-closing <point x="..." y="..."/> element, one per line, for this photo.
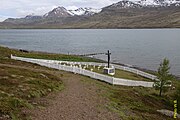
<point x="164" y="77"/>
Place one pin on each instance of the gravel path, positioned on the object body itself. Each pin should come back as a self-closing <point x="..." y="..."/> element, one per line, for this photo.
<point x="78" y="101"/>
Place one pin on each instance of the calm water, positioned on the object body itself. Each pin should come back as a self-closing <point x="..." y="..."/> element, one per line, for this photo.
<point x="142" y="48"/>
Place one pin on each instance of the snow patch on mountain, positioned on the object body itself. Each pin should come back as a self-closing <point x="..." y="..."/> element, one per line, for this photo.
<point x="147" y="3"/>
<point x="84" y="11"/>
<point x="63" y="12"/>
<point x="124" y="4"/>
<point x="158" y="2"/>
<point x="144" y="3"/>
<point x="58" y="12"/>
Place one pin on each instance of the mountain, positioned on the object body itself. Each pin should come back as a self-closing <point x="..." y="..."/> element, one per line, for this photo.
<point x="123" y="14"/>
<point x="124" y="4"/>
<point x="25" y="20"/>
<point x="143" y="3"/>
<point x="33" y="17"/>
<point x="58" y="13"/>
<point x="63" y="12"/>
<point x="84" y="11"/>
<point x="157" y="3"/>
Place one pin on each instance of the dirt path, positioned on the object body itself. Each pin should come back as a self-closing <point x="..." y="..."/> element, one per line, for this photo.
<point x="78" y="101"/>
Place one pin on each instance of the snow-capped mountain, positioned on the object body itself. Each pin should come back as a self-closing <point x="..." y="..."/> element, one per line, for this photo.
<point x="87" y="11"/>
<point x="158" y="2"/>
<point x="144" y="3"/>
<point x="124" y="4"/>
<point x="84" y="11"/>
<point x="58" y="12"/>
<point x="63" y="12"/>
<point x="145" y="13"/>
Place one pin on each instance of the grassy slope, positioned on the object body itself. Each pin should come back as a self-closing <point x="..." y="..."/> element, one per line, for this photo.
<point x="133" y="18"/>
<point x="39" y="55"/>
<point x="19" y="86"/>
<point x="119" y="18"/>
<point x="17" y="89"/>
<point x="21" y="82"/>
<point x="5" y="52"/>
<point x="134" y="103"/>
<point x="121" y="74"/>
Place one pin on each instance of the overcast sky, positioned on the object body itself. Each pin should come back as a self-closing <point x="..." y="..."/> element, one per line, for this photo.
<point x="21" y="8"/>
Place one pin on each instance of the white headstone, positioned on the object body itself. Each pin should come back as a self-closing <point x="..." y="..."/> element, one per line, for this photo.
<point x="98" y="68"/>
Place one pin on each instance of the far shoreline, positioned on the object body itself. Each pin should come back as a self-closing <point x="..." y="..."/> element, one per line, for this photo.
<point x="68" y="28"/>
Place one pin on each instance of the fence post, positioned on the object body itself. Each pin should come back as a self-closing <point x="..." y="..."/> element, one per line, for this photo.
<point x="74" y="70"/>
<point x="137" y="72"/>
<point x="48" y="65"/>
<point x="113" y="81"/>
<point x="58" y="66"/>
<point x="152" y="77"/>
<point x="80" y="70"/>
<point x="94" y="74"/>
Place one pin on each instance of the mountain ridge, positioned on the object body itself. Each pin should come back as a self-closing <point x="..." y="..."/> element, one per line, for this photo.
<point x="118" y="14"/>
<point x="61" y="12"/>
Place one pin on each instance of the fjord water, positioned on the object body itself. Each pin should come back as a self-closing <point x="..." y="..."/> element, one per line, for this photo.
<point x="144" y="48"/>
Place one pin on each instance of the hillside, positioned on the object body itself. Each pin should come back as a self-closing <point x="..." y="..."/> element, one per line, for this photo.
<point x="124" y="14"/>
<point x="133" y="18"/>
<point x="29" y="91"/>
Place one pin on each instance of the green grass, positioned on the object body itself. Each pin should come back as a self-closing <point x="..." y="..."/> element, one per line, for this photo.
<point x="21" y="84"/>
<point x="124" y="74"/>
<point x="134" y="103"/>
<point x="119" y="74"/>
<point x="17" y="88"/>
<point x="6" y="52"/>
<point x="38" y="55"/>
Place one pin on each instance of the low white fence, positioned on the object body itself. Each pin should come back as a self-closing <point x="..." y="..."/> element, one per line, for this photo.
<point x="108" y="79"/>
<point x="138" y="72"/>
<point x="125" y="68"/>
